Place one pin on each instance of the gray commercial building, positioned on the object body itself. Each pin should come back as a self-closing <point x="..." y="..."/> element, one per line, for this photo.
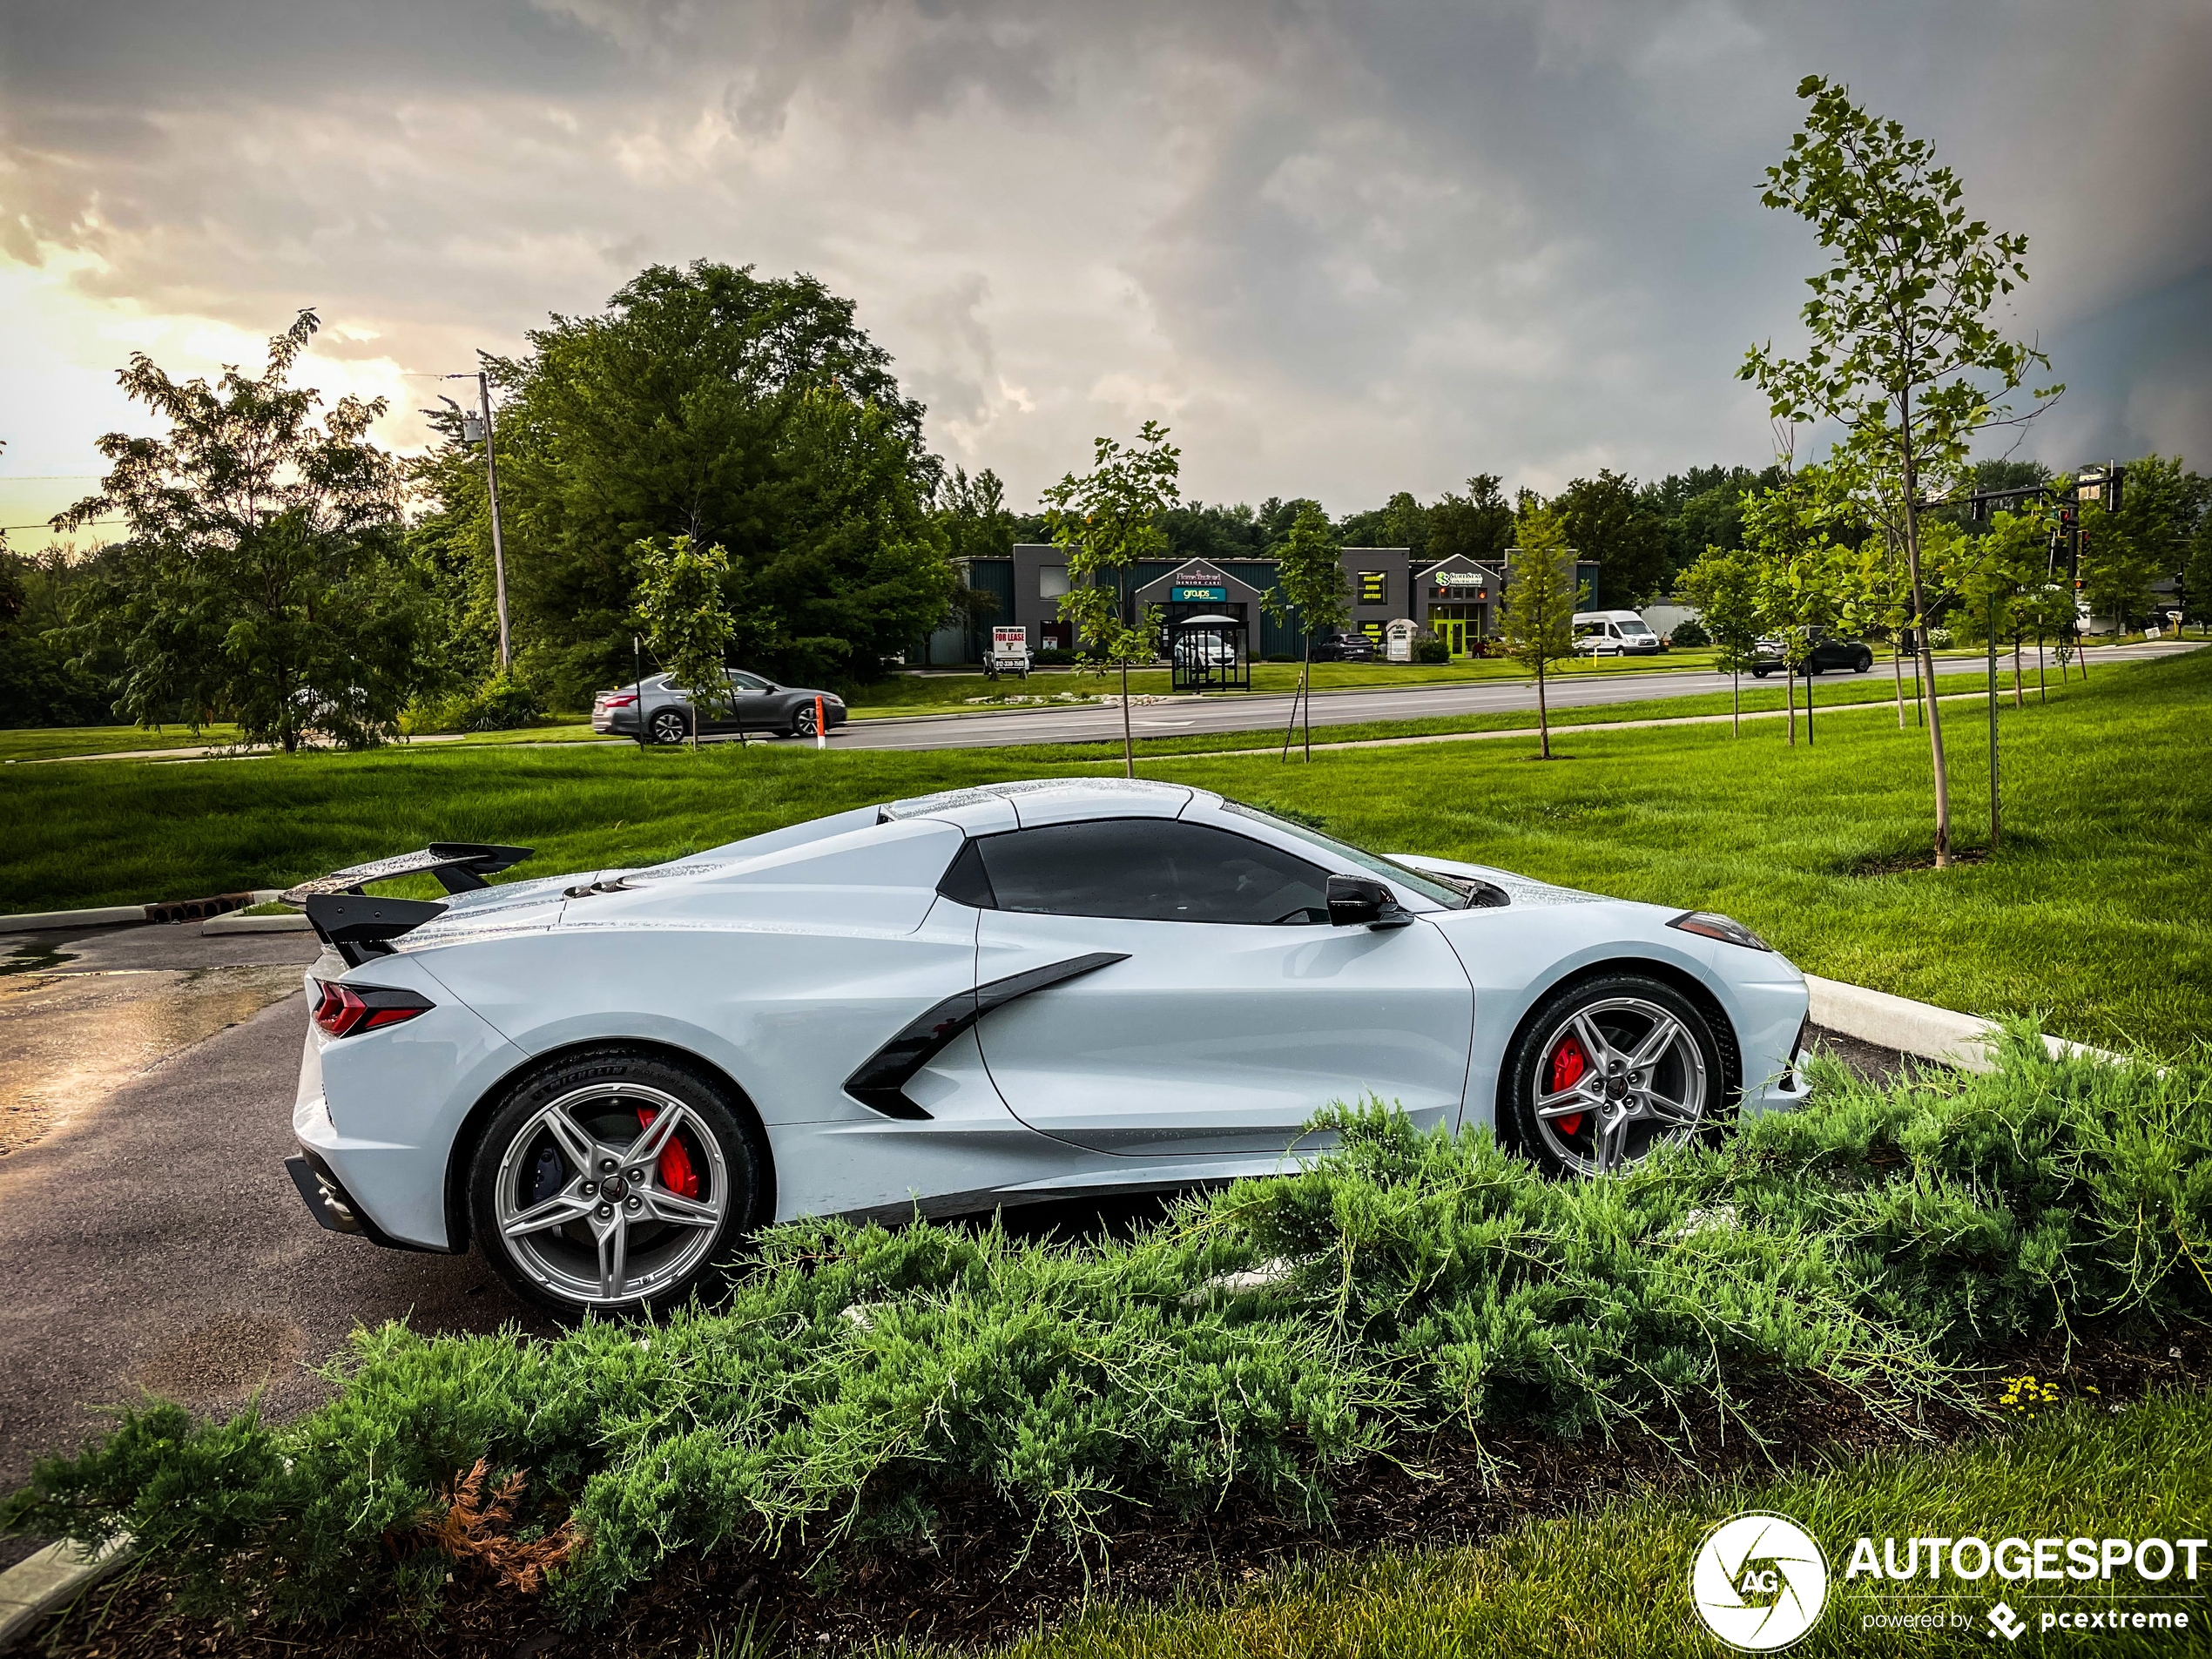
<point x="1456" y="597"/>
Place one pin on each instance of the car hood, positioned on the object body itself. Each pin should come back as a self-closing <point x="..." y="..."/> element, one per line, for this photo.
<point x="1519" y="888"/>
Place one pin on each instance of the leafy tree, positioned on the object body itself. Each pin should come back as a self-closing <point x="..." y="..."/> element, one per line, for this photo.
<point x="748" y="413"/>
<point x="1105" y="521"/>
<point x="1537" y="617"/>
<point x="686" y="624"/>
<point x="1309" y="583"/>
<point x="1727" y="585"/>
<point x="1406" y="524"/>
<point x="2118" y="565"/>
<point x="971" y="513"/>
<point x="1478" y="525"/>
<point x="1605" y="519"/>
<point x="264" y="579"/>
<point x="1811" y="582"/>
<point x="2159" y="511"/>
<point x="2197" y="574"/>
<point x="1204" y="531"/>
<point x="1903" y="357"/>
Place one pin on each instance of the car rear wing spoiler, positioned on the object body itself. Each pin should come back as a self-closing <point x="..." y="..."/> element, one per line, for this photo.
<point x="460" y="866"/>
<point x="357" y="927"/>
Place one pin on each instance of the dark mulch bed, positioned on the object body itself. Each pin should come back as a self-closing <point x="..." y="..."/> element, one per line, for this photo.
<point x="968" y="1590"/>
<point x="1900" y="864"/>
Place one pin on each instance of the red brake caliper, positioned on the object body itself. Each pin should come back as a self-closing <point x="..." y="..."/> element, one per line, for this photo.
<point x="1569" y="1063"/>
<point x="675" y="1172"/>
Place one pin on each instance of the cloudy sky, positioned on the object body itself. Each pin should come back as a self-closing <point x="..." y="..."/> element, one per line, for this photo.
<point x="1342" y="250"/>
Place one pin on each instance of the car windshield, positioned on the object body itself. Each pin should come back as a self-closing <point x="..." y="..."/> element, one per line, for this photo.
<point x="1635" y="628"/>
<point x="1447" y="893"/>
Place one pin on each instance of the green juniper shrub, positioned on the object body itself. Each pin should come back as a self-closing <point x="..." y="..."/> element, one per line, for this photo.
<point x="858" y="1376"/>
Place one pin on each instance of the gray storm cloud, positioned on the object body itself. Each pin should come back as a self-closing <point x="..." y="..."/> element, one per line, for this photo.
<point x="1343" y="250"/>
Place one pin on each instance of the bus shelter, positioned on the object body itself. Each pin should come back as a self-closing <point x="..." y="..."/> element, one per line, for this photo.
<point x="1209" y="654"/>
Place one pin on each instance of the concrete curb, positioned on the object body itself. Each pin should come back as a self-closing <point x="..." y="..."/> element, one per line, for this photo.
<point x="1922" y="1028"/>
<point x="121" y="916"/>
<point x="38" y="1584"/>
<point x="298" y="924"/>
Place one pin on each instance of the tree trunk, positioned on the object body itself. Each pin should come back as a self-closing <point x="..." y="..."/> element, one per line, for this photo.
<point x="1790" y="696"/>
<point x="1543" y="715"/>
<point x="1926" y="662"/>
<point x="1896" y="667"/>
<point x="1289" y="726"/>
<point x="1808" y="705"/>
<point x="1305" y="699"/>
<point x="2043" y="686"/>
<point x="1128" y="743"/>
<point x="1735" y="691"/>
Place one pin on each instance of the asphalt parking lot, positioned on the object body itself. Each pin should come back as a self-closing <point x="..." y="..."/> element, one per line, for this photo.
<point x="149" y="1239"/>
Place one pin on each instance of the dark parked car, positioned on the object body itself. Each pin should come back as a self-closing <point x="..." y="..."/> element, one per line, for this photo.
<point x="754" y="705"/>
<point x="1344" y="648"/>
<point x="1828" y="651"/>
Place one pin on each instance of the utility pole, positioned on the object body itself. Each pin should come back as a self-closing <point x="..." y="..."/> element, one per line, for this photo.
<point x="491" y="486"/>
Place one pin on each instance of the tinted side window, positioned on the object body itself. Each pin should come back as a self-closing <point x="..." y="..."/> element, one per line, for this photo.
<point x="1152" y="869"/>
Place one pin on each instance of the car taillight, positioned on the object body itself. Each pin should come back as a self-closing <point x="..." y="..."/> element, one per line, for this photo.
<point x="343" y="1010"/>
<point x="621" y="702"/>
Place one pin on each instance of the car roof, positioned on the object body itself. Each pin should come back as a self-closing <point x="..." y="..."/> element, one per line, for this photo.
<point x="1026" y="802"/>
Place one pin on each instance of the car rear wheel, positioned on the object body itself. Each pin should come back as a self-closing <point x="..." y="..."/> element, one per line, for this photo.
<point x="613" y="1182"/>
<point x="669" y="725"/>
<point x="1609" y="1069"/>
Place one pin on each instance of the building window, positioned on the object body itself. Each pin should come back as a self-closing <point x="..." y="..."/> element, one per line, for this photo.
<point x="1374" y="587"/>
<point x="1052" y="580"/>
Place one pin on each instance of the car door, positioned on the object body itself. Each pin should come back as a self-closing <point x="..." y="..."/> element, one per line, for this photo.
<point x="1226" y="1010"/>
<point x="755" y="705"/>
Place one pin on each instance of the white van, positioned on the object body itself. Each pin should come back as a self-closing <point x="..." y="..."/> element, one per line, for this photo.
<point x="1614" y="633"/>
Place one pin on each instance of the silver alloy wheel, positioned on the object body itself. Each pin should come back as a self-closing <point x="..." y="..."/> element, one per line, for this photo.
<point x="614" y="1232"/>
<point x="669" y="725"/>
<point x="1642" y="1080"/>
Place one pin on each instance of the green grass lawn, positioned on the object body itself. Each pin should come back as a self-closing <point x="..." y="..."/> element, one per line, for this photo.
<point x="42" y="743"/>
<point x="2096" y="911"/>
<point x="1615" y="1582"/>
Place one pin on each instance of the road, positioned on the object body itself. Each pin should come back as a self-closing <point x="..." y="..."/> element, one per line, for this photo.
<point x="1197" y="715"/>
<point x="149" y="1239"/>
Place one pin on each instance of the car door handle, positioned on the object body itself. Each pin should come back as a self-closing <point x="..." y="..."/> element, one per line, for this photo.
<point x="879" y="1081"/>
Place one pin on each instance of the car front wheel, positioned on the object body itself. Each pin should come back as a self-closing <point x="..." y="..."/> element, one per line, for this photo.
<point x="612" y="1182"/>
<point x="802" y="722"/>
<point x="1609" y="1069"/>
<point x="669" y="725"/>
<point x="1864" y="663"/>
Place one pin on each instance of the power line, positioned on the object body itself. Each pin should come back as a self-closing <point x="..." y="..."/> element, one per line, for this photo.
<point x="87" y="524"/>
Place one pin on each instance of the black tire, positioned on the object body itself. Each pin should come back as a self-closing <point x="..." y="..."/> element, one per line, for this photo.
<point x="669" y="725"/>
<point x="1864" y="664"/>
<point x="519" y="1165"/>
<point x="1689" y="1072"/>
<point x="802" y="721"/>
<point x="1761" y="673"/>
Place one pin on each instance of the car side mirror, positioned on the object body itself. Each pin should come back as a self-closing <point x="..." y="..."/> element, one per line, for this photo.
<point x="1362" y="902"/>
